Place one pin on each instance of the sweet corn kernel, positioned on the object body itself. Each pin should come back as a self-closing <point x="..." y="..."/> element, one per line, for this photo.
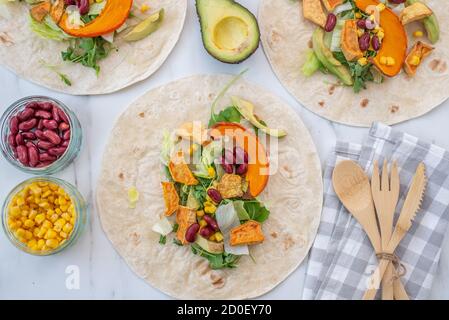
<point x="358" y="15"/>
<point x="210" y="208"/>
<point x="39" y="218"/>
<point x="193" y="148"/>
<point x="28" y="223"/>
<point x="218" y="236"/>
<point x="360" y="32"/>
<point x="58" y="211"/>
<point x="200" y="213"/>
<point x="415" y="60"/>
<point x="20" y="233"/>
<point x="363" y="61"/>
<point x="40" y="244"/>
<point x="52" y="243"/>
<point x="32" y="243"/>
<point x="212" y="237"/>
<point x="66" y="216"/>
<point x="381" y="7"/>
<point x="144" y="8"/>
<point x="211" y="172"/>
<point x="203" y="223"/>
<point x="28" y="235"/>
<point x="63" y="235"/>
<point x="418" y="34"/>
<point x="47" y="224"/>
<point x="381" y="34"/>
<point x="51" y="234"/>
<point x="42" y="232"/>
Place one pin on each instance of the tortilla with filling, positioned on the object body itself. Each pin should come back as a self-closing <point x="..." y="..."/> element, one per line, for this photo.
<point x="294" y="193"/>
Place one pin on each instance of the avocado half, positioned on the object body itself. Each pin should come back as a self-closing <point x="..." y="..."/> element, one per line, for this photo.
<point x="229" y="31"/>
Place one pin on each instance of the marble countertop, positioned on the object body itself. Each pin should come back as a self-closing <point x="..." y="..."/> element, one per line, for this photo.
<point x="103" y="274"/>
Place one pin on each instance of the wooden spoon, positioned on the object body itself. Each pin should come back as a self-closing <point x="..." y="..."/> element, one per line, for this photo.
<point x="352" y="187"/>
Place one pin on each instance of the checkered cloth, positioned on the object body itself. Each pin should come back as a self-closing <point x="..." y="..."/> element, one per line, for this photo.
<point x="342" y="258"/>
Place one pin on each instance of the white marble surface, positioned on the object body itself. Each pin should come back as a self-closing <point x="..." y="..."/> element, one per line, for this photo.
<point x="104" y="275"/>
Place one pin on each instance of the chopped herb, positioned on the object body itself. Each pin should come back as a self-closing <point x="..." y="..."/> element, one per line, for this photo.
<point x="360" y="74"/>
<point x="87" y="51"/>
<point x="177" y="242"/>
<point x="175" y="227"/>
<point x="217" y="261"/>
<point x="64" y="79"/>
<point x="162" y="239"/>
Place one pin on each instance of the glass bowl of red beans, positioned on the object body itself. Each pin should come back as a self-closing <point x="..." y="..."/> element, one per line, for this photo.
<point x="40" y="135"/>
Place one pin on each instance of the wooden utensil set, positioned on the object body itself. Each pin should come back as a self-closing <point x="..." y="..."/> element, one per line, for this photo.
<point x="373" y="206"/>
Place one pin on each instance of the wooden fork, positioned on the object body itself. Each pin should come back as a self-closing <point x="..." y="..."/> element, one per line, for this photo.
<point x="385" y="191"/>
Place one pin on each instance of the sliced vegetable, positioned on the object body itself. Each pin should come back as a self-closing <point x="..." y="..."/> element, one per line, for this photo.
<point x="258" y="167"/>
<point x="57" y="10"/>
<point x="171" y="198"/>
<point x="227" y="219"/>
<point x="113" y="16"/>
<point x="146" y="27"/>
<point x="246" y="109"/>
<point x="249" y="233"/>
<point x="47" y="29"/>
<point x="192" y="201"/>
<point x="332" y="4"/>
<point x="418" y="53"/>
<point x="394" y="44"/>
<point x="311" y="65"/>
<point x="163" y="227"/>
<point x="210" y="246"/>
<point x="350" y="41"/>
<point x="416" y="11"/>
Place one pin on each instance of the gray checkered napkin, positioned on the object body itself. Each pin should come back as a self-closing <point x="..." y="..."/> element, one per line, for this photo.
<point x="342" y="257"/>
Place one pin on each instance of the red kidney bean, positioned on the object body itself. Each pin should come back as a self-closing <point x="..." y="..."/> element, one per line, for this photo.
<point x="44" y="157"/>
<point x="63" y="126"/>
<point x="375" y="42"/>
<point x="331" y="22"/>
<point x="40" y="134"/>
<point x="22" y="154"/>
<point x="29" y="135"/>
<point x="228" y="157"/>
<point x="28" y="125"/>
<point x="66" y="136"/>
<point x="211" y="222"/>
<point x="65" y="143"/>
<point x="19" y="140"/>
<point x="43" y="114"/>
<point x="70" y="2"/>
<point x="26" y="114"/>
<point x="47" y="106"/>
<point x="50" y="124"/>
<point x="215" y="195"/>
<point x="191" y="232"/>
<point x="241" y="169"/>
<point x="206" y="232"/>
<point x="59" y="151"/>
<point x="228" y="168"/>
<point x="40" y="124"/>
<point x="45" y="145"/>
<point x="397" y="1"/>
<point x="33" y="105"/>
<point x="52" y="136"/>
<point x="43" y="164"/>
<point x="55" y="114"/>
<point x="240" y="155"/>
<point x="33" y="154"/>
<point x="63" y="116"/>
<point x="12" y="140"/>
<point x="14" y="125"/>
<point x="361" y="24"/>
<point x="364" y="41"/>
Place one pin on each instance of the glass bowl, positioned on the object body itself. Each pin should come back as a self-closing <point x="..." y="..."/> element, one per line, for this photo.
<point x="63" y="161"/>
<point x="80" y="209"/>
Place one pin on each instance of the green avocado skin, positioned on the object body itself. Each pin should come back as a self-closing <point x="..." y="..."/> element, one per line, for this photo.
<point x="327" y="58"/>
<point x="201" y="8"/>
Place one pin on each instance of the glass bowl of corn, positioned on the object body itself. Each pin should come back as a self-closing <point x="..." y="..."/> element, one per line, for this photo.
<point x="44" y="215"/>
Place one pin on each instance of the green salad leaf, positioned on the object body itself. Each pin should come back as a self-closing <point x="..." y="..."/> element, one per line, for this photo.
<point x="251" y="210"/>
<point x="360" y="74"/>
<point x="48" y="29"/>
<point x="216" y="261"/>
<point x="163" y="239"/>
<point x="230" y="114"/>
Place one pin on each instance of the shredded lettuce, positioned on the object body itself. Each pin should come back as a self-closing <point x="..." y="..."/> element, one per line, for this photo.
<point x="210" y="152"/>
<point x="163" y="227"/>
<point x="168" y="144"/>
<point x="48" y="29"/>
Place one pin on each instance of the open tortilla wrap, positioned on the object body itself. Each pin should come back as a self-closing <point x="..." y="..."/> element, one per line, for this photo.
<point x="294" y="193"/>
<point x="28" y="55"/>
<point x="286" y="37"/>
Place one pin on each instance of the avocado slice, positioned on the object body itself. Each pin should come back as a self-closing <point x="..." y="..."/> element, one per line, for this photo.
<point x="146" y="27"/>
<point x="246" y="109"/>
<point x="229" y="31"/>
<point x="210" y="246"/>
<point x="430" y="24"/>
<point x="328" y="60"/>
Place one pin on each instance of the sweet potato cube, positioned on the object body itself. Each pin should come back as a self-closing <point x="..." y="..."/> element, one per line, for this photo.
<point x="57" y="10"/>
<point x="313" y="11"/>
<point x="350" y="41"/>
<point x="247" y="234"/>
<point x="40" y="11"/>
<point x="171" y="198"/>
<point x="230" y="186"/>
<point x="180" y="171"/>
<point x="414" y="59"/>
<point x="185" y="217"/>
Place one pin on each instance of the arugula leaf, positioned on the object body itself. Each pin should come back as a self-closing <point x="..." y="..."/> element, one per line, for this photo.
<point x="87" y="51"/>
<point x="230" y="114"/>
<point x="360" y="74"/>
<point x="175" y="227"/>
<point x="216" y="261"/>
<point x="162" y="239"/>
<point x="64" y="79"/>
<point x="177" y="242"/>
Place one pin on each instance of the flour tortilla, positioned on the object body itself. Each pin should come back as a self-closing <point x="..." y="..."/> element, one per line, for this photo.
<point x="286" y="36"/>
<point x="294" y="194"/>
<point x="22" y="51"/>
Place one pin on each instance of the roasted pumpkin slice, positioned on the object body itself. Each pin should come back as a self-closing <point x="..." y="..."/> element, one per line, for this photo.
<point x="180" y="171"/>
<point x="113" y="16"/>
<point x="171" y="198"/>
<point x="414" y="59"/>
<point x="247" y="234"/>
<point x="185" y="217"/>
<point x="258" y="167"/>
<point x="394" y="44"/>
<point x="40" y="11"/>
<point x="332" y="4"/>
<point x="313" y="11"/>
<point x="350" y="41"/>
